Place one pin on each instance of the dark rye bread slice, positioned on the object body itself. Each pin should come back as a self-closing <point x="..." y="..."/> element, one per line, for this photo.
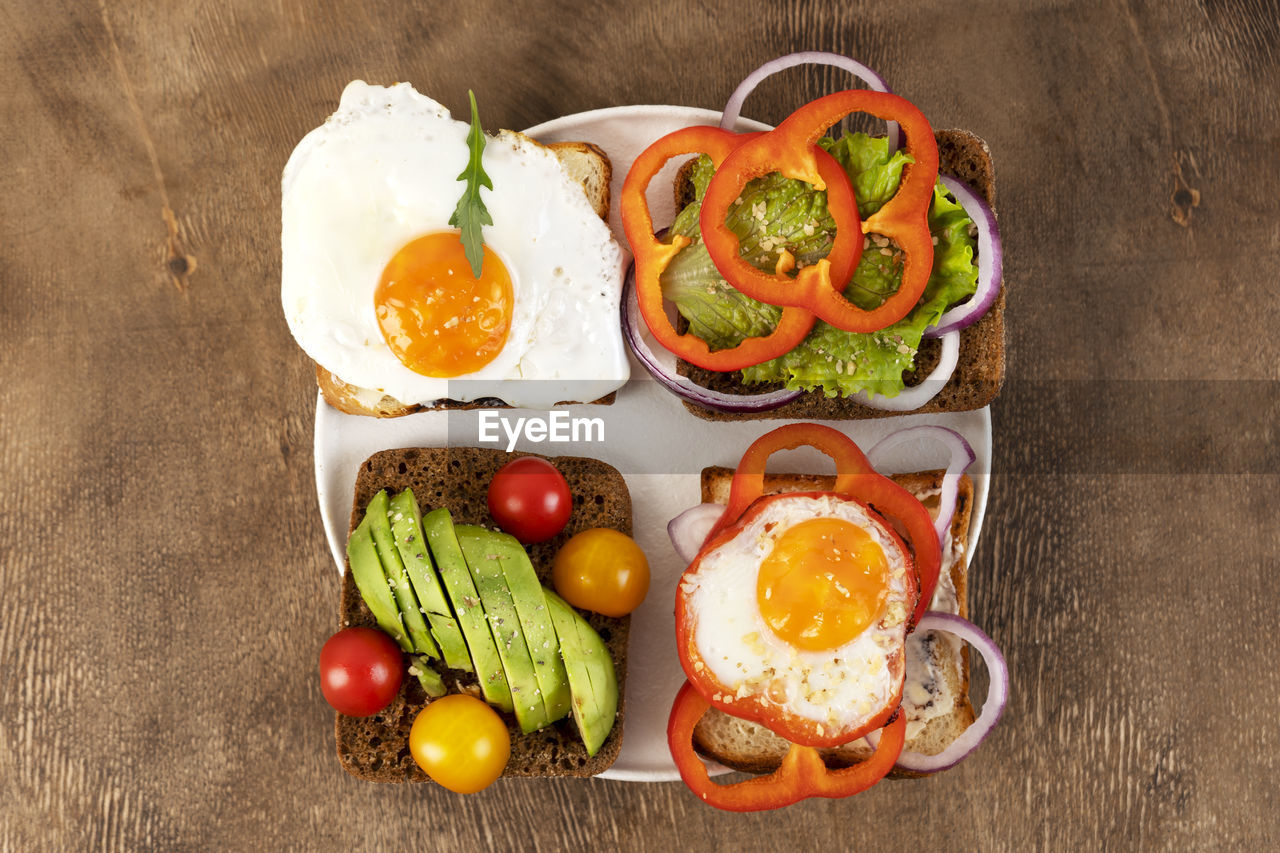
<point x="980" y="372"/>
<point x="377" y="748"/>
<point x="750" y="747"/>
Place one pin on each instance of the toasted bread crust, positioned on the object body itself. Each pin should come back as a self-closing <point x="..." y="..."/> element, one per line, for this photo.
<point x="752" y="748"/>
<point x="587" y="164"/>
<point x="362" y="401"/>
<point x="978" y="376"/>
<point x="376" y="748"/>
<point x="354" y="400"/>
<point x="590" y="167"/>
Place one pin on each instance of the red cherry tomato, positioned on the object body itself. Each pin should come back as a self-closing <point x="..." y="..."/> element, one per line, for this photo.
<point x="530" y="499"/>
<point x="360" y="671"/>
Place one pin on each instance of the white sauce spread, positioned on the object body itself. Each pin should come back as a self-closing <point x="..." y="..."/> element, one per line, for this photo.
<point x="925" y="694"/>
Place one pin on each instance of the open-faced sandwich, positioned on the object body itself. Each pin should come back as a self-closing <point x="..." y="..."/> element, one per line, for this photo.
<point x="819" y="624"/>
<point x="484" y="618"/>
<point x="425" y="265"/>
<point x="810" y="276"/>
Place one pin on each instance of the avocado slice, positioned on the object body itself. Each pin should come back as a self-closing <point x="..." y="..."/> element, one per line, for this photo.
<point x="397" y="577"/>
<point x="583" y="697"/>
<point x="406" y="528"/>
<point x="539" y="635"/>
<point x="430" y="680"/>
<point x="366" y="571"/>
<point x="592" y="679"/>
<point x="486" y="569"/>
<point x="437" y="525"/>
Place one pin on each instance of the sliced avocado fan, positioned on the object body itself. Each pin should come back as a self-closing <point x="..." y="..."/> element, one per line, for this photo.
<point x="533" y="654"/>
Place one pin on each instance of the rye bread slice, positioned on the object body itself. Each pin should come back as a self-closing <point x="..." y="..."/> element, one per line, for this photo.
<point x="752" y="748"/>
<point x="980" y="372"/>
<point x="377" y="748"/>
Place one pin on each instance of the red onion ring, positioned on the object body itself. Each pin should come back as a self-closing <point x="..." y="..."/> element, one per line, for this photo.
<point x="962" y="456"/>
<point x="663" y="367"/>
<point x="990" y="262"/>
<point x="913" y="398"/>
<point x="997" y="697"/>
<point x="689" y="529"/>
<point x="733" y="107"/>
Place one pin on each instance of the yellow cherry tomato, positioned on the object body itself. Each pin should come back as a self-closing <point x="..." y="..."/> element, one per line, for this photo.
<point x="601" y="570"/>
<point x="460" y="742"/>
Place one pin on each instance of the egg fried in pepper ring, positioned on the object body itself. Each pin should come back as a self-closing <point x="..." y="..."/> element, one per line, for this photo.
<point x="836" y="592"/>
<point x="796" y="617"/>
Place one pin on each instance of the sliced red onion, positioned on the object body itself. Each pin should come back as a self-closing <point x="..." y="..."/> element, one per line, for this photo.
<point x="990" y="262"/>
<point x="997" y="697"/>
<point x="662" y="365"/>
<point x="689" y="529"/>
<point x="962" y="457"/>
<point x="733" y="108"/>
<point x="913" y="398"/>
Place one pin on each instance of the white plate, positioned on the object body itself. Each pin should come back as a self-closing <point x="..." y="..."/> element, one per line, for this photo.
<point x="649" y="436"/>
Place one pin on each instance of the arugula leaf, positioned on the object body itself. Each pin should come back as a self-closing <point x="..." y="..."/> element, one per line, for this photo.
<point x="471" y="214"/>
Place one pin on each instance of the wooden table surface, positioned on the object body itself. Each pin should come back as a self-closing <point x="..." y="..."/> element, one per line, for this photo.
<point x="166" y="583"/>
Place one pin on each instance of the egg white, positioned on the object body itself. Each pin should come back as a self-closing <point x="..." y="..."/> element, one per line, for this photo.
<point x="836" y="688"/>
<point x="382" y="171"/>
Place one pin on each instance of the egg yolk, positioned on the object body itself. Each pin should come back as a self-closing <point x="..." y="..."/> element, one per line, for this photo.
<point x="437" y="317"/>
<point x="824" y="582"/>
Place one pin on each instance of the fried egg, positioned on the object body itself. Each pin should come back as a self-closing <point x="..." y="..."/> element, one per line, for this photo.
<point x="375" y="285"/>
<point x="802" y="615"/>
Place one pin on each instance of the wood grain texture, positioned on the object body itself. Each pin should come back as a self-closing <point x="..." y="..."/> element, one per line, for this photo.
<point x="166" y="585"/>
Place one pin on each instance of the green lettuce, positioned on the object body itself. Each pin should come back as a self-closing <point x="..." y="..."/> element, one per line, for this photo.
<point x="775" y="213"/>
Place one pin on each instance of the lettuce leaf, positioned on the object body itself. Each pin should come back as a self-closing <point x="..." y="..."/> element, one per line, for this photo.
<point x="774" y="212"/>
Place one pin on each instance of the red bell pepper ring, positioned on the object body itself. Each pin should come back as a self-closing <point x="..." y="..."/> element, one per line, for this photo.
<point x="790" y="149"/>
<point x="769" y="153"/>
<point x="855" y="478"/>
<point x="652" y="257"/>
<point x="802" y="774"/>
